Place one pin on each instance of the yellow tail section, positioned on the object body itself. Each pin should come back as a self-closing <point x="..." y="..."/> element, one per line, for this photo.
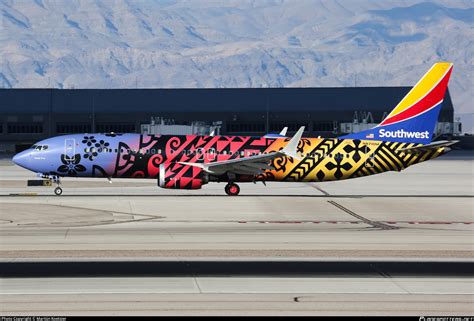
<point x="423" y="87"/>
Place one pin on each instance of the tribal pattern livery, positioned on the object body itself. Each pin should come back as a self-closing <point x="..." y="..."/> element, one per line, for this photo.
<point x="189" y="162"/>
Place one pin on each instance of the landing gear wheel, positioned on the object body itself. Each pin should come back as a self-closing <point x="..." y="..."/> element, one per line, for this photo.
<point x="232" y="189"/>
<point x="58" y="191"/>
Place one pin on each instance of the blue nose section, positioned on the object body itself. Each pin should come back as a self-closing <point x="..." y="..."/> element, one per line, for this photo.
<point x="22" y="159"/>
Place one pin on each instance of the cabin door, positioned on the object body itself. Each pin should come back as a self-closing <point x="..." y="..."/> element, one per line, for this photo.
<point x="70" y="148"/>
<point x="369" y="161"/>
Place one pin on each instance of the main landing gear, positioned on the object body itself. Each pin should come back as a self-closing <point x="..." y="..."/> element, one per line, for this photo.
<point x="232" y="189"/>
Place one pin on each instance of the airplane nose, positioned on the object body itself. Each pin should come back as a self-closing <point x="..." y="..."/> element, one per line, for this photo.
<point x="22" y="159"/>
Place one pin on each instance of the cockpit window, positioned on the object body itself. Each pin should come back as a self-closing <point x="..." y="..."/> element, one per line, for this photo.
<point x="39" y="147"/>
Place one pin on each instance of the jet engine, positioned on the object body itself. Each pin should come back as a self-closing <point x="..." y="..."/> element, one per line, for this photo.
<point x="179" y="176"/>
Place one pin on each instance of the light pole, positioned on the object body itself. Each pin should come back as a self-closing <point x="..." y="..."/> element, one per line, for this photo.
<point x="50" y="120"/>
<point x="93" y="112"/>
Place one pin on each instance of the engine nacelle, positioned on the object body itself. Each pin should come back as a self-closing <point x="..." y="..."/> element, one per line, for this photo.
<point x="179" y="176"/>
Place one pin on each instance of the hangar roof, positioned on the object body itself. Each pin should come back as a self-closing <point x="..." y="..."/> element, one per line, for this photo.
<point x="203" y="100"/>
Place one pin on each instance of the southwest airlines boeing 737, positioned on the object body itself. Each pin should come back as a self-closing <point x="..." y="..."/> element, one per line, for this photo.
<point x="402" y="139"/>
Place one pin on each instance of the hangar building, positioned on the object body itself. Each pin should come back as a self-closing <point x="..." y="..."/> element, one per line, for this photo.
<point x="29" y="115"/>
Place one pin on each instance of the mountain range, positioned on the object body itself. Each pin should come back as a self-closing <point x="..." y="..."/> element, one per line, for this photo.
<point x="235" y="43"/>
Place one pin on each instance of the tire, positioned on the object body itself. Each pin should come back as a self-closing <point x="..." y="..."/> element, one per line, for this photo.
<point x="58" y="191"/>
<point x="232" y="189"/>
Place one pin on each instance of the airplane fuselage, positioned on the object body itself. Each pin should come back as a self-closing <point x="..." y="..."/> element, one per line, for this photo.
<point x="403" y="138"/>
<point x="140" y="156"/>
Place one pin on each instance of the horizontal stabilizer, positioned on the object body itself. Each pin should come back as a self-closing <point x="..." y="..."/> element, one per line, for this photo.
<point x="431" y="146"/>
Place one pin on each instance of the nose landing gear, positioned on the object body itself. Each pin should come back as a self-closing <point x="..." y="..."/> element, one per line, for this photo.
<point x="232" y="189"/>
<point x="50" y="179"/>
<point x="58" y="191"/>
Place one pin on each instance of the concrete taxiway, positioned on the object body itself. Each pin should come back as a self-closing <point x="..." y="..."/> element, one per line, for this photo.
<point x="236" y="296"/>
<point x="423" y="214"/>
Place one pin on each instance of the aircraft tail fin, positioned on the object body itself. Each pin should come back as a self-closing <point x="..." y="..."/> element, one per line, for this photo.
<point x="413" y="120"/>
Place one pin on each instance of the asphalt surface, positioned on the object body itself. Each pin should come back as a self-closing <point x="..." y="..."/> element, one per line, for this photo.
<point x="396" y="243"/>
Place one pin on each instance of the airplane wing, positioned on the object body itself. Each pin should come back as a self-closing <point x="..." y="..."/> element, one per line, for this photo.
<point x="431" y="146"/>
<point x="280" y="134"/>
<point x="251" y="165"/>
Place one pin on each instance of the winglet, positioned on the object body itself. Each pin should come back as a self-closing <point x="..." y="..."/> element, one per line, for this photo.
<point x="290" y="148"/>
<point x="283" y="131"/>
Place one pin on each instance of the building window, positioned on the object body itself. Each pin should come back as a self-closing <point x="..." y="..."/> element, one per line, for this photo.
<point x="25" y="128"/>
<point x="116" y="128"/>
<point x="71" y="128"/>
<point x="323" y="126"/>
<point x="292" y="126"/>
<point x="245" y="127"/>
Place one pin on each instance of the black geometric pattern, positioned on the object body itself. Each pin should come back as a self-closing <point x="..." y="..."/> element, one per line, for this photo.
<point x="339" y="165"/>
<point x="306" y="166"/>
<point x="358" y="150"/>
<point x="388" y="157"/>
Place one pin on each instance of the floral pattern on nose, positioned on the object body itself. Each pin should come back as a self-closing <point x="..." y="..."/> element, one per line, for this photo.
<point x="90" y="154"/>
<point x="102" y="146"/>
<point x="89" y="140"/>
<point x="71" y="165"/>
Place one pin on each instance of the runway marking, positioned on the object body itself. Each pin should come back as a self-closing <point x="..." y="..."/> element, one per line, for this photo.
<point x="351" y="222"/>
<point x="234" y="292"/>
<point x="363" y="219"/>
<point x="240" y="196"/>
<point x="22" y="194"/>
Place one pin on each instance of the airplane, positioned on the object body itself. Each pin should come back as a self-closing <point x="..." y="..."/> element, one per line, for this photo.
<point x="402" y="139"/>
